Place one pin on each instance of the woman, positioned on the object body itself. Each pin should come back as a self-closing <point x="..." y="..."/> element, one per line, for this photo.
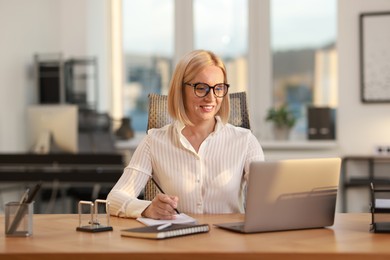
<point x="200" y="161"/>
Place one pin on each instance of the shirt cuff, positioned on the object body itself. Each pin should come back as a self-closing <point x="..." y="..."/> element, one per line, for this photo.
<point x="136" y="207"/>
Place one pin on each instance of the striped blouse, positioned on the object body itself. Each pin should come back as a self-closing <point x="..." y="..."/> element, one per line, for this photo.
<point x="209" y="181"/>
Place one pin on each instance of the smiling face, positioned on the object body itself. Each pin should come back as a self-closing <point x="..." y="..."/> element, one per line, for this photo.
<point x="205" y="108"/>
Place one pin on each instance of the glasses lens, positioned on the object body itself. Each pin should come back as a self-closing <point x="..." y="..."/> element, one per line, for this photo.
<point x="220" y="90"/>
<point x="201" y="89"/>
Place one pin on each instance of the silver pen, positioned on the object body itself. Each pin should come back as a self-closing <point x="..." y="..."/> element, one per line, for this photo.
<point x="163" y="226"/>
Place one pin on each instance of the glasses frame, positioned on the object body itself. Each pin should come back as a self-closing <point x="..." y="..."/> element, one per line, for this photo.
<point x="193" y="85"/>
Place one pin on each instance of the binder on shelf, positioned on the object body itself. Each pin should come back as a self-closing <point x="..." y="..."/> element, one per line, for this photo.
<point x="173" y="230"/>
<point x="49" y="70"/>
<point x="321" y="123"/>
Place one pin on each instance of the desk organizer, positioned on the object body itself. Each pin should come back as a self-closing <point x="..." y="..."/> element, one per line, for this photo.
<point x="19" y="219"/>
<point x="93" y="224"/>
<point x="380" y="210"/>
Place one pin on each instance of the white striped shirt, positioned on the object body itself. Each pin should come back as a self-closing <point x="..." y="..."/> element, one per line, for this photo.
<point x="209" y="181"/>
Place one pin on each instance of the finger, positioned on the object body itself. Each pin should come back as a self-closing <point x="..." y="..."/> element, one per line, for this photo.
<point x="159" y="213"/>
<point x="165" y="208"/>
<point x="162" y="207"/>
<point x="168" y="199"/>
<point x="176" y="200"/>
<point x="153" y="211"/>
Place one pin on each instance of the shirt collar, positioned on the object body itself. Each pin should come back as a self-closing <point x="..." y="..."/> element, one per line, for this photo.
<point x="218" y="126"/>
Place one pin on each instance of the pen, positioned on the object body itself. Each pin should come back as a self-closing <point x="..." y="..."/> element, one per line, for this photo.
<point x="163" y="226"/>
<point x="158" y="187"/>
<point x="24" y="197"/>
<point x="33" y="193"/>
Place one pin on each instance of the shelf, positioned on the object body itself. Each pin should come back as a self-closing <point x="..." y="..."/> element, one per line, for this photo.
<point x="299" y="145"/>
<point x="355" y="182"/>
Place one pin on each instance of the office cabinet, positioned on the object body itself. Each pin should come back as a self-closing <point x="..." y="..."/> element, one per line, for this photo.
<point x="350" y="181"/>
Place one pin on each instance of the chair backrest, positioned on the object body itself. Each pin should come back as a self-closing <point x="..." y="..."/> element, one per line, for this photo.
<point x="158" y="116"/>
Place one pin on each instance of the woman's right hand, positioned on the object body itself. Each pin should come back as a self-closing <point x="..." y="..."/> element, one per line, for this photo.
<point x="162" y="207"/>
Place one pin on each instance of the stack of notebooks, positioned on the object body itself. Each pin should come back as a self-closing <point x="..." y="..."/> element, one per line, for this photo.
<point x="160" y="229"/>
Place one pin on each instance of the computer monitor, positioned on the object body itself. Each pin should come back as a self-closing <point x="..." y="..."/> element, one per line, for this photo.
<point x="53" y="128"/>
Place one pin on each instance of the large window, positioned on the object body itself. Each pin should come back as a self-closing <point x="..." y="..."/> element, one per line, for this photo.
<point x="303" y="40"/>
<point x="222" y="27"/>
<point x="302" y="37"/>
<point x="147" y="54"/>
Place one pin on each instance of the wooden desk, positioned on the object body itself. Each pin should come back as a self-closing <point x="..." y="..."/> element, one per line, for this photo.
<point x="55" y="237"/>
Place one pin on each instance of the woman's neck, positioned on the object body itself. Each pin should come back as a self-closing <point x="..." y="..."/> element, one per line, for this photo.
<point x="197" y="133"/>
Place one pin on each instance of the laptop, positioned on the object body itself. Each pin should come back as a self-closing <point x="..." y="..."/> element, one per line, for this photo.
<point x="290" y="195"/>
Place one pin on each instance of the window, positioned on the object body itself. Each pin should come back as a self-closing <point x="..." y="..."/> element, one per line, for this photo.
<point x="302" y="34"/>
<point x="222" y="27"/>
<point x="304" y="58"/>
<point x="147" y="54"/>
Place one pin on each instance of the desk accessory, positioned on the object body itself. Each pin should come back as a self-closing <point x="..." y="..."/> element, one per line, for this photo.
<point x="19" y="215"/>
<point x="380" y="211"/>
<point x="159" y="232"/>
<point x="19" y="219"/>
<point x="93" y="223"/>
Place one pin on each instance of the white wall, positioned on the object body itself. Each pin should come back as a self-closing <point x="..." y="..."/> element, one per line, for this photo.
<point x="360" y="126"/>
<point x="26" y="27"/>
<point x="74" y="27"/>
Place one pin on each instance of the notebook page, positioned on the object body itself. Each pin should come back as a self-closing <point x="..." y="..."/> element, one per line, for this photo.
<point x="180" y="219"/>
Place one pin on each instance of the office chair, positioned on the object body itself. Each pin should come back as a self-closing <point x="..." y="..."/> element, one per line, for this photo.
<point x="158" y="116"/>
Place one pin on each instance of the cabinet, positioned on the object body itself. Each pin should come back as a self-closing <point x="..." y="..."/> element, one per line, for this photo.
<point x="349" y="181"/>
<point x="81" y="82"/>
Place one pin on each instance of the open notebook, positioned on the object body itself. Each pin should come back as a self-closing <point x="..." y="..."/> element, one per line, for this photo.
<point x="180" y="219"/>
<point x="290" y="194"/>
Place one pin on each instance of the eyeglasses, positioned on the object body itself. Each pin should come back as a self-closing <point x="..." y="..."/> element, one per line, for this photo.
<point x="203" y="89"/>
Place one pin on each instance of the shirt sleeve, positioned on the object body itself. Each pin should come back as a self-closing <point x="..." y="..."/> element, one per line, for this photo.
<point x="123" y="197"/>
<point x="254" y="153"/>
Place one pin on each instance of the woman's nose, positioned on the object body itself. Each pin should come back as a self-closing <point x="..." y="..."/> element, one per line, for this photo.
<point x="210" y="96"/>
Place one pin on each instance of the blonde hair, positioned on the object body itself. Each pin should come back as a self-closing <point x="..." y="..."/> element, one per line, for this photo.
<point x="186" y="70"/>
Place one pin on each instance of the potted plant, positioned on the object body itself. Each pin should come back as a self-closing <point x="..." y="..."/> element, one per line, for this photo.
<point x="283" y="120"/>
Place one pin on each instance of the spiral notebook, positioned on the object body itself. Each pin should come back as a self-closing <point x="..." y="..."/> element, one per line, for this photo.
<point x="174" y="230"/>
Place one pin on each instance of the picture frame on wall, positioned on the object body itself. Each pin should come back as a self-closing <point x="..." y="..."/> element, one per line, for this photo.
<point x="375" y="57"/>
